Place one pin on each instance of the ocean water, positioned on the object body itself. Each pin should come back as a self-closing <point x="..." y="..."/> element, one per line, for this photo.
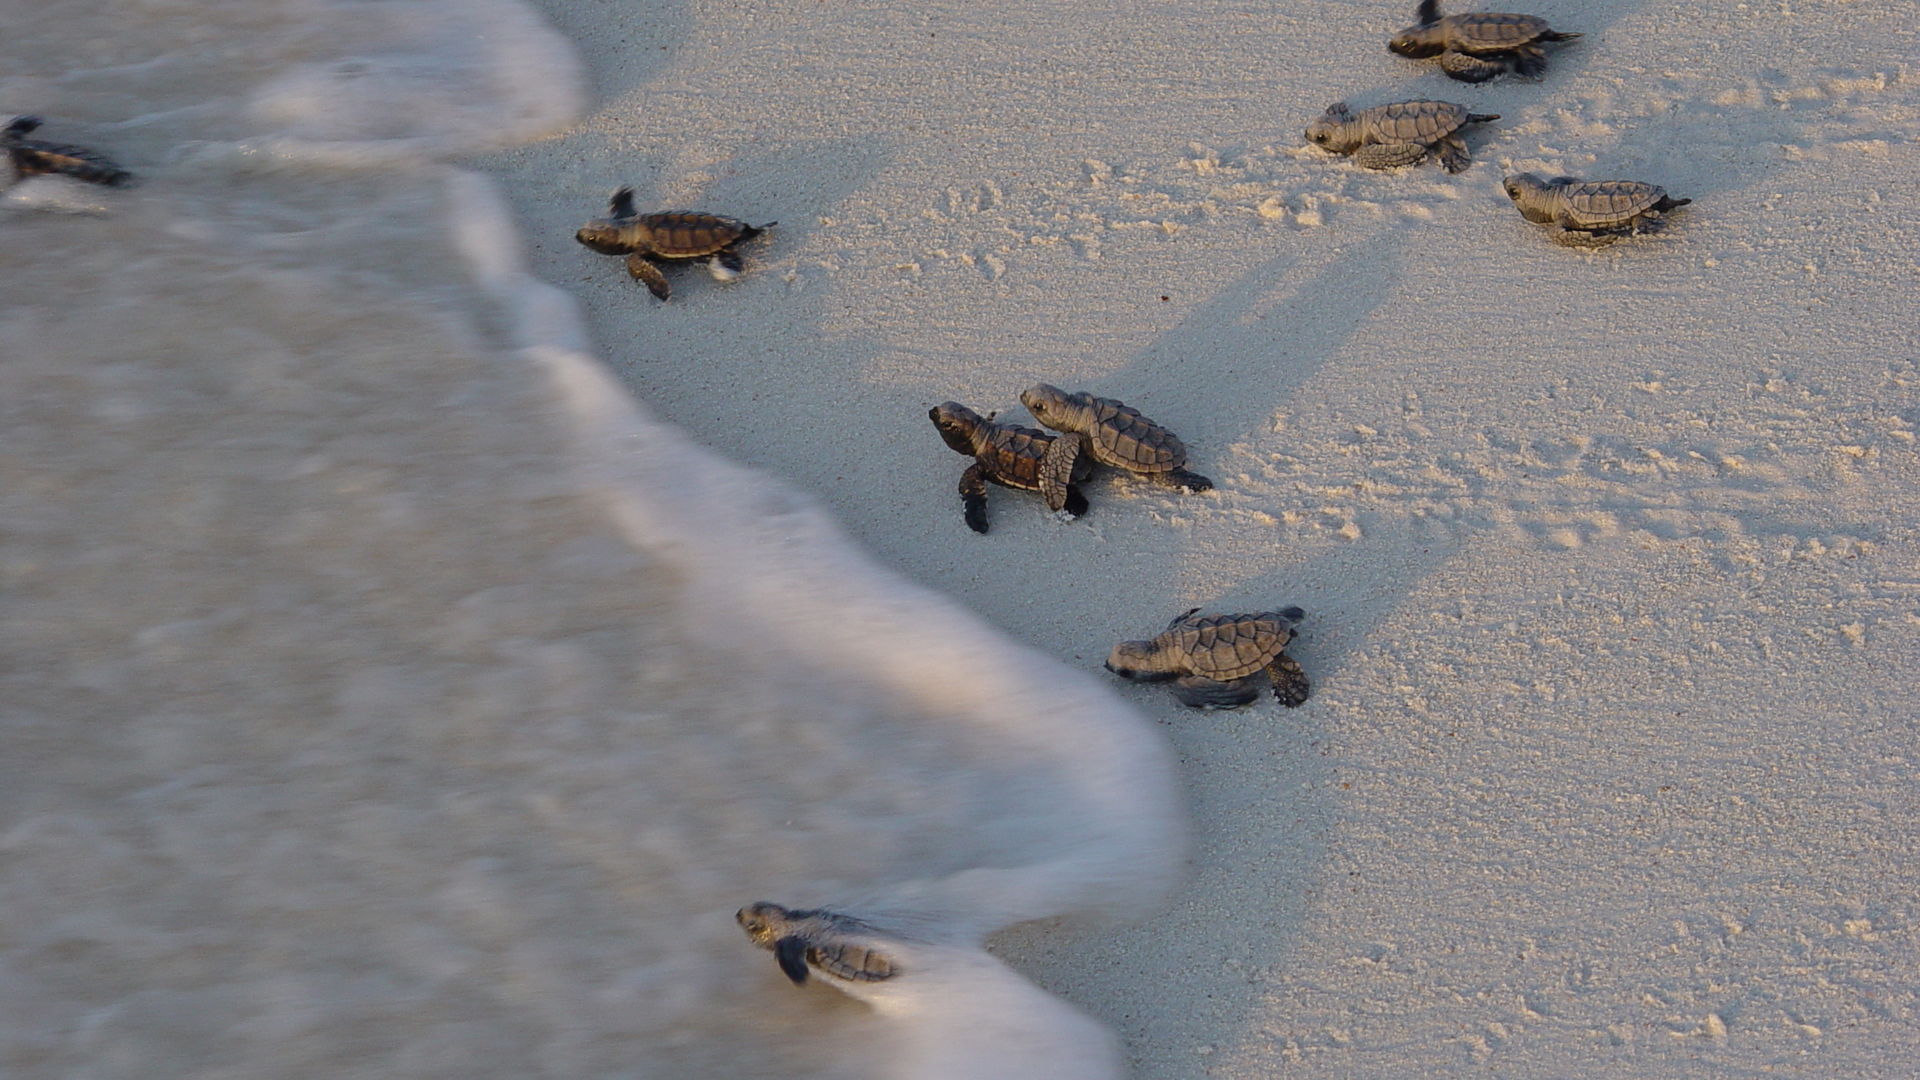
<point x="386" y="694"/>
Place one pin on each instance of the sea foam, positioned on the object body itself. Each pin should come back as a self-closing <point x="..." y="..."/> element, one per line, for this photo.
<point x="442" y="704"/>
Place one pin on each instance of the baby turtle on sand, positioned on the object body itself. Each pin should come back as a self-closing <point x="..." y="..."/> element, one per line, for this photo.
<point x="675" y="234"/>
<point x="1110" y="432"/>
<point x="1011" y="456"/>
<point x="1215" y="660"/>
<point x="1403" y="133"/>
<point x="1590" y="212"/>
<point x="838" y="946"/>
<point x="31" y="157"/>
<point x="1477" y="47"/>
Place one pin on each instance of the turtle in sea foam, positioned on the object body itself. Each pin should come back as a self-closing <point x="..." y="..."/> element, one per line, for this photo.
<point x="34" y="157"/>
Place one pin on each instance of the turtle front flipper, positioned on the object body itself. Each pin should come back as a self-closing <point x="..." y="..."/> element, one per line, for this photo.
<point x="973" y="495"/>
<point x="1584" y="238"/>
<point x="647" y="274"/>
<point x="1200" y="692"/>
<point x="791" y="952"/>
<point x="1290" y="683"/>
<point x="1056" y="473"/>
<point x="1470" y="69"/>
<point x="1453" y="155"/>
<point x="1181" y="478"/>
<point x="1389" y="155"/>
<point x="621" y="205"/>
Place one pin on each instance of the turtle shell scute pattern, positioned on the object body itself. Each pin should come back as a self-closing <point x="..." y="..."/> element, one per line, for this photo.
<point x="1132" y="438"/>
<point x="1014" y="453"/>
<point x="1495" y="31"/>
<point x="1610" y="202"/>
<point x="1228" y="647"/>
<point x="687" y="234"/>
<point x="1413" y="121"/>
<point x="854" y="963"/>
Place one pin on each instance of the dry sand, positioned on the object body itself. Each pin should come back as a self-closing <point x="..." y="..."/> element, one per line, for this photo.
<point x="1610" y="558"/>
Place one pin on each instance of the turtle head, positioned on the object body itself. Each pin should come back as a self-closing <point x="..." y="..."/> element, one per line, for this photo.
<point x="1140" y="661"/>
<point x="1052" y="406"/>
<point x="21" y="125"/>
<point x="764" y="922"/>
<point x="770" y="926"/>
<point x="958" y="425"/>
<point x="604" y="236"/>
<point x="1330" y="131"/>
<point x="1528" y="192"/>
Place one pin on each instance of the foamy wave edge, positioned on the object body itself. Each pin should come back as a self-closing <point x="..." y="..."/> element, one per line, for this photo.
<point x="749" y="542"/>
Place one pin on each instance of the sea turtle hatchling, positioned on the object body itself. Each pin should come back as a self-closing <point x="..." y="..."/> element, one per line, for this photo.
<point x="1215" y="660"/>
<point x="838" y="946"/>
<point x="32" y="157"/>
<point x="1011" y="456"/>
<point x="674" y="234"/>
<point x="1590" y="212"/>
<point x="1110" y="432"/>
<point x="1402" y="133"/>
<point x="1478" y="46"/>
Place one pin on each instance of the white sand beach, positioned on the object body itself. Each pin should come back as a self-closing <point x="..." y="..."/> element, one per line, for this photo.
<point x="388" y="694"/>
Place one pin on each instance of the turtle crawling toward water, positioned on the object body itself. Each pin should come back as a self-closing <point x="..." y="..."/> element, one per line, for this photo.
<point x="674" y="234"/>
<point x="1112" y="433"/>
<point x="32" y="157"/>
<point x="1403" y="133"/>
<point x="1216" y="660"/>
<point x="1011" y="456"/>
<point x="1589" y="213"/>
<point x="1478" y="46"/>
<point x="839" y="947"/>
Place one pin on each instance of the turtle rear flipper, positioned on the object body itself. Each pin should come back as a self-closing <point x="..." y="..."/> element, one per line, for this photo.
<point x="1181" y="478"/>
<point x="649" y="275"/>
<point x="1470" y="69"/>
<point x="1389" y="155"/>
<point x="1200" y="692"/>
<point x="1530" y="61"/>
<point x="973" y="495"/>
<point x="1290" y="683"/>
<point x="1056" y="472"/>
<point x="1453" y="155"/>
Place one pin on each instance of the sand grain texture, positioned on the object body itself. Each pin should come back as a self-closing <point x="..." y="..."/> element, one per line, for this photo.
<point x="1610" y="557"/>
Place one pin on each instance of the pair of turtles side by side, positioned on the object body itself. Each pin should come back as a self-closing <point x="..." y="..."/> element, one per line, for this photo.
<point x="839" y="947"/>
<point x="1478" y="46"/>
<point x="1402" y="133"/>
<point x="1215" y="661"/>
<point x="1589" y="213"/>
<point x="1087" y="429"/>
<point x="34" y="157"/>
<point x="670" y="235"/>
